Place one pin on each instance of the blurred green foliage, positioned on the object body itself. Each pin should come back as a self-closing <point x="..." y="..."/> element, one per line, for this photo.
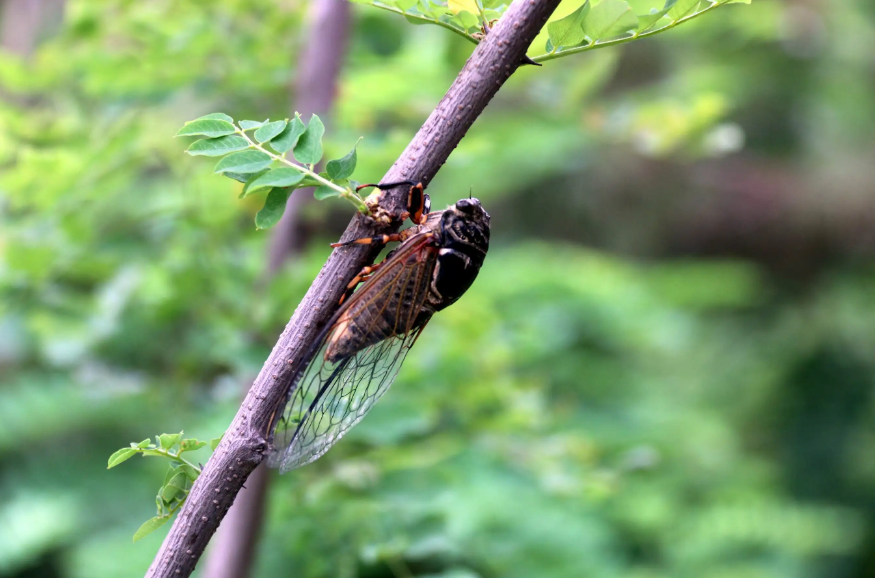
<point x="619" y="394"/>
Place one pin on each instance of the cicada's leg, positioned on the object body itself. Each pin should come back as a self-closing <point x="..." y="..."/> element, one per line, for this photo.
<point x="360" y="278"/>
<point x="366" y="272"/>
<point x="380" y="239"/>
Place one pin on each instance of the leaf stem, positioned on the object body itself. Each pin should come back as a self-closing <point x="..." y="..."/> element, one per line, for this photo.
<point x="171" y="455"/>
<point x="347" y="194"/>
<point x="595" y="45"/>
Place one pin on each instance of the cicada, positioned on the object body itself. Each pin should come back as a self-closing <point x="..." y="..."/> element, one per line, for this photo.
<point x="356" y="358"/>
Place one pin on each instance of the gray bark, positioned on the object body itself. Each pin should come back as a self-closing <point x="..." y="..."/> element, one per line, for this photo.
<point x="244" y="444"/>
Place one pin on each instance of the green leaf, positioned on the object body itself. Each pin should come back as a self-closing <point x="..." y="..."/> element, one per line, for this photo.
<point x="216" y="116"/>
<point x="216" y="147"/>
<point x="324" y="192"/>
<point x="154" y="453"/>
<point x="735" y="2"/>
<point x="433" y="9"/>
<point x="244" y="162"/>
<point x="270" y="130"/>
<point x="493" y="14"/>
<point x="308" y="182"/>
<point x="190" y="445"/>
<point x="171" y="471"/>
<point x="247" y="180"/>
<point x="120" y="456"/>
<point x="239" y="177"/>
<point x="190" y="472"/>
<point x="169" y="440"/>
<point x="416" y="21"/>
<point x="214" y="443"/>
<point x="274" y="207"/>
<point x="251" y="124"/>
<point x="646" y="21"/>
<point x="207" y="127"/>
<point x="309" y="147"/>
<point x="467" y="20"/>
<point x="281" y="177"/>
<point x="150" y="526"/>
<point x="288" y="138"/>
<point x="457" y="6"/>
<point x="344" y="167"/>
<point x="682" y="8"/>
<point x="610" y="18"/>
<point x="174" y="487"/>
<point x="145" y="443"/>
<point x="568" y="31"/>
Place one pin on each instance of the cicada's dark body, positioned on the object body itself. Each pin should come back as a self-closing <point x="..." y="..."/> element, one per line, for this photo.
<point x="359" y="354"/>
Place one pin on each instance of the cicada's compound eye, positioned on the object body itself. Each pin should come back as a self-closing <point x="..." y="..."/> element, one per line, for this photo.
<point x="468" y="206"/>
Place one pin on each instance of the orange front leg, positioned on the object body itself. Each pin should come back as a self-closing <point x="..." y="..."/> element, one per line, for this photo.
<point x="379" y="239"/>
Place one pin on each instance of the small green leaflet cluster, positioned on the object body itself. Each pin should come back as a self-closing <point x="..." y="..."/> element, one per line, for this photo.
<point x="259" y="160"/>
<point x="180" y="476"/>
<point x="595" y="24"/>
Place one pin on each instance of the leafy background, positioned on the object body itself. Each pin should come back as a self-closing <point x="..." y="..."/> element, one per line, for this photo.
<point x="664" y="369"/>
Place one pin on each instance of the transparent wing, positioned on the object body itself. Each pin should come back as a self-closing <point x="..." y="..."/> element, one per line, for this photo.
<point x="333" y="393"/>
<point x="333" y="397"/>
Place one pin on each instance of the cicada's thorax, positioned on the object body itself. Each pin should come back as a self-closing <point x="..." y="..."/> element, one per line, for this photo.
<point x="463" y="242"/>
<point x="433" y="277"/>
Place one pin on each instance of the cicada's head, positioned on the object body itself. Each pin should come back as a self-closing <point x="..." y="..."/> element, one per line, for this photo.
<point x="465" y="227"/>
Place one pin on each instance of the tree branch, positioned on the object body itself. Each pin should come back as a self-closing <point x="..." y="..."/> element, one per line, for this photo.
<point x="244" y="444"/>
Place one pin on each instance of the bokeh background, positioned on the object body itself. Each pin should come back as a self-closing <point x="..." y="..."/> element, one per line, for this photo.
<point x="665" y="369"/>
